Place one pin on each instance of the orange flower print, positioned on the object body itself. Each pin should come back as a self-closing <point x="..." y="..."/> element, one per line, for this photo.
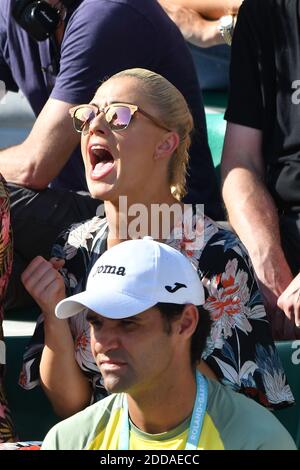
<point x="81" y="342"/>
<point x="228" y="300"/>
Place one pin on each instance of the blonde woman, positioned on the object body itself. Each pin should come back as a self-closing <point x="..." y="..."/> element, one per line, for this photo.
<point x="135" y="140"/>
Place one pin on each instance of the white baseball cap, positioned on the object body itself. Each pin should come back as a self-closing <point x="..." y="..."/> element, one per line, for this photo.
<point x="134" y="276"/>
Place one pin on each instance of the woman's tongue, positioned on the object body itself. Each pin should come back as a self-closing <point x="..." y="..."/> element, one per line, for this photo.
<point x="102" y="168"/>
<point x="103" y="163"/>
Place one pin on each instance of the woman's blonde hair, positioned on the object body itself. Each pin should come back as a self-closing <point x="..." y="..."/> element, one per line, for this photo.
<point x="174" y="113"/>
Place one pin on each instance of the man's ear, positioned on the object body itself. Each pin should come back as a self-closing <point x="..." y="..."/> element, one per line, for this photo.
<point x="188" y="321"/>
<point x="167" y="145"/>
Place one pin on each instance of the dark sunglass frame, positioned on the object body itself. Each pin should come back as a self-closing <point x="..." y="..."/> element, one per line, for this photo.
<point x="132" y="107"/>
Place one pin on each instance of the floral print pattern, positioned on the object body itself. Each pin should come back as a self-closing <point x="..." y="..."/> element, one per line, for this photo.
<point x="240" y="349"/>
<point x="6" y="250"/>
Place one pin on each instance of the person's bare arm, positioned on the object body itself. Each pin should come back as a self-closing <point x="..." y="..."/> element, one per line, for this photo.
<point x="64" y="383"/>
<point x="251" y="209"/>
<point x="36" y="161"/>
<point x="210" y="9"/>
<point x="194" y="28"/>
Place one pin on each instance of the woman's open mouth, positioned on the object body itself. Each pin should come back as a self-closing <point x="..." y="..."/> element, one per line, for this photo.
<point x="101" y="160"/>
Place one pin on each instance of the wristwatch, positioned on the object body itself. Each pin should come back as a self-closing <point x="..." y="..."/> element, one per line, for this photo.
<point x="226" y="27"/>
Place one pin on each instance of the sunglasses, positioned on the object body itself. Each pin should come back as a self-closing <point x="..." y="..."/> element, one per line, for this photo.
<point x="117" y="116"/>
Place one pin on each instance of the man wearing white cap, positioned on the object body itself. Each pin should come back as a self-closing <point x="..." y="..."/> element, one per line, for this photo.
<point x="148" y="330"/>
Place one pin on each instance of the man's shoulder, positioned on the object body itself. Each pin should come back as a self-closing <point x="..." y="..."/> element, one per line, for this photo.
<point x="148" y="12"/>
<point x="80" y="429"/>
<point x="94" y="411"/>
<point x="108" y="5"/>
<point x="107" y="19"/>
<point x="242" y="423"/>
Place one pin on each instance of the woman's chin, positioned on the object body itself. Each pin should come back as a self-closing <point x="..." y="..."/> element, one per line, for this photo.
<point x="103" y="191"/>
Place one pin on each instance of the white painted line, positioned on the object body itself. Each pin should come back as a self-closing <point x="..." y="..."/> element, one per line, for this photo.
<point x="18" y="328"/>
<point x="214" y="110"/>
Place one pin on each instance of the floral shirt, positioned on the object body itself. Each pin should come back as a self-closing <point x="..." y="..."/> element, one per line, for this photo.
<point x="240" y="349"/>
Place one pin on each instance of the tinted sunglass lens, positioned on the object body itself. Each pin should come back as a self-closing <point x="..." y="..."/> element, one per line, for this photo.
<point x="118" y="117"/>
<point x="82" y="117"/>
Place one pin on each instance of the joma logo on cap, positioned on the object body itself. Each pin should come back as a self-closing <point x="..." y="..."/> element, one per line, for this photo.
<point x="108" y="269"/>
<point x="176" y="287"/>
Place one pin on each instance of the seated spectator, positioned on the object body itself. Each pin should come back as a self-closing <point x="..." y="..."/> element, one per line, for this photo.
<point x="146" y="340"/>
<point x="289" y="300"/>
<point x="135" y="140"/>
<point x="207" y="26"/>
<point x="61" y="71"/>
<point x="261" y="156"/>
<point x="6" y="427"/>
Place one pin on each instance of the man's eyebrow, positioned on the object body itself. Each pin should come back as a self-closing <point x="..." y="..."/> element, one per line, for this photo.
<point x="136" y="318"/>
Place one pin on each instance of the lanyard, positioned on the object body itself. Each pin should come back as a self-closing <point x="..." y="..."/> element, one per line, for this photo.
<point x="196" y="420"/>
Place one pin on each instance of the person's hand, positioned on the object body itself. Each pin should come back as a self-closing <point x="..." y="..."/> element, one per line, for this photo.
<point x="272" y="280"/>
<point x="44" y="283"/>
<point x="280" y="299"/>
<point x="289" y="301"/>
<point x="283" y="329"/>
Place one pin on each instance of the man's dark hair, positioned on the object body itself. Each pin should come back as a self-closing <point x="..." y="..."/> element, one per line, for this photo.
<point x="171" y="312"/>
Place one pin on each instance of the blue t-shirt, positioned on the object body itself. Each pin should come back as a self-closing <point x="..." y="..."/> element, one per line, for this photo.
<point x="101" y="38"/>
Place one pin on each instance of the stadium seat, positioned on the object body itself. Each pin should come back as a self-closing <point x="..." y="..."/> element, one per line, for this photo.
<point x="215" y="103"/>
<point x="289" y="352"/>
<point x="32" y="413"/>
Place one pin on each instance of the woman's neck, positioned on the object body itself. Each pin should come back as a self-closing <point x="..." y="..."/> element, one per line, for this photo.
<point x="129" y="218"/>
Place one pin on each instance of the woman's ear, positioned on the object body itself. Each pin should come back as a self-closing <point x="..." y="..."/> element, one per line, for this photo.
<point x="167" y="145"/>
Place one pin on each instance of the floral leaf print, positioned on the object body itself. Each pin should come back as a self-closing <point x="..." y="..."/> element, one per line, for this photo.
<point x="236" y="376"/>
<point x="248" y="368"/>
<point x="258" y="312"/>
<point x="227" y="300"/>
<point x="277" y="389"/>
<point x="229" y="241"/>
<point x="81" y="232"/>
<point x="69" y="278"/>
<point x="81" y="332"/>
<point x="229" y="353"/>
<point x="228" y="371"/>
<point x="58" y="251"/>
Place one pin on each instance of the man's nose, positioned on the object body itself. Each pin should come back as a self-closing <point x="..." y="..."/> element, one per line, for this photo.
<point x="106" y="340"/>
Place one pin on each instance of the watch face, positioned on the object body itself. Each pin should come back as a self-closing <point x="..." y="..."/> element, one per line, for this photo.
<point x="226" y="21"/>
